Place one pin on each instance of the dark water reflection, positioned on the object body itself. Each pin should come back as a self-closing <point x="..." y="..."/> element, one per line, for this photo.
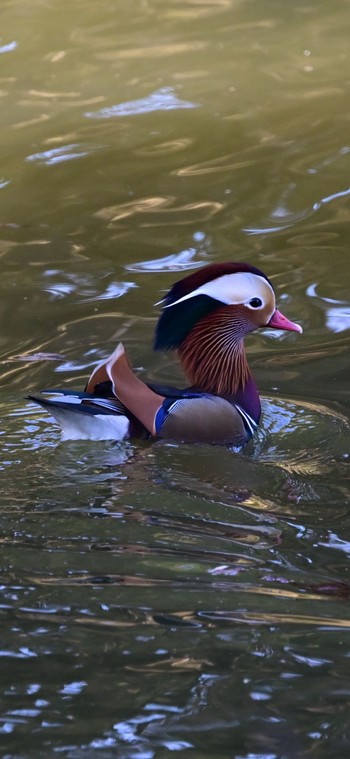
<point x="159" y="598"/>
<point x="224" y="571"/>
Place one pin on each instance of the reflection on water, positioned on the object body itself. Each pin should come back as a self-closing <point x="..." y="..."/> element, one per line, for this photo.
<point x="337" y="314"/>
<point x="161" y="211"/>
<point x="162" y="100"/>
<point x="175" y="262"/>
<point x="152" y="561"/>
<point x="58" y="155"/>
<point x="157" y="597"/>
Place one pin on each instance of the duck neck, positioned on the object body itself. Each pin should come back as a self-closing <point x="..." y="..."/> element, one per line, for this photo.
<point x="214" y="360"/>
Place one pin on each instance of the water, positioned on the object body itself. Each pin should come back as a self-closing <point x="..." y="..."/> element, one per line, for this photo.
<point x="158" y="598"/>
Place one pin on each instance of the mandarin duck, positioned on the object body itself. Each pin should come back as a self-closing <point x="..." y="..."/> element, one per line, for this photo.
<point x="205" y="318"/>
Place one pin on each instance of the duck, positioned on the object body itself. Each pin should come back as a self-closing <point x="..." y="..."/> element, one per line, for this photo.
<point x="205" y="318"/>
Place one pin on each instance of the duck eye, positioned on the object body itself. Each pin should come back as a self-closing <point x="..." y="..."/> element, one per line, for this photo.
<point x="255" y="302"/>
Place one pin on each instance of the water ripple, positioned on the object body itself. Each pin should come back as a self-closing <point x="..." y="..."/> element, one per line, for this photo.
<point x="164" y="207"/>
<point x="160" y="100"/>
<point x="175" y="262"/>
<point x="337" y="311"/>
<point x="280" y="436"/>
<point x="165" y="148"/>
<point x="257" y="618"/>
<point x="9" y="47"/>
<point x="329" y="199"/>
<point x="64" y="153"/>
<point x="217" y="165"/>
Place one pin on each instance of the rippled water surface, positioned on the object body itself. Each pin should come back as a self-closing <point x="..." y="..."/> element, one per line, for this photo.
<point x="160" y="598"/>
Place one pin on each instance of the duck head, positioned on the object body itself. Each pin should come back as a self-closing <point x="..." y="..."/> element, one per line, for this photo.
<point x="206" y="316"/>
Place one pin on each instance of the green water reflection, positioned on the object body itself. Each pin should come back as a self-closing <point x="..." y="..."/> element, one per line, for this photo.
<point x="160" y="598"/>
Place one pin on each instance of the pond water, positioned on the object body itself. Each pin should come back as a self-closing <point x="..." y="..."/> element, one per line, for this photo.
<point x="160" y="598"/>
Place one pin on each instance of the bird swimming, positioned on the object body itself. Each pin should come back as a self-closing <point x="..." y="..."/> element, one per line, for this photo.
<point x="205" y="318"/>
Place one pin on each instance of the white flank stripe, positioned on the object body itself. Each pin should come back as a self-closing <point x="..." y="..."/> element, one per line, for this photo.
<point x="251" y="424"/>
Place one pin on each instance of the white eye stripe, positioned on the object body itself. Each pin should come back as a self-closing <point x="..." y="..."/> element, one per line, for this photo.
<point x="232" y="289"/>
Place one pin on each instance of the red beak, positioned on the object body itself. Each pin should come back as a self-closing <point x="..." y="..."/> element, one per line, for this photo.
<point x="281" y="322"/>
